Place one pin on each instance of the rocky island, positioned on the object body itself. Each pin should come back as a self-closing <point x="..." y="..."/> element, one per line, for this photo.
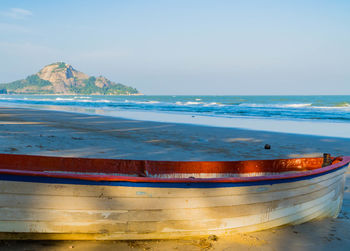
<point x="62" y="78"/>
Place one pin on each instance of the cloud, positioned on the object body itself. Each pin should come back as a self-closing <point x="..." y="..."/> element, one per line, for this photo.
<point x="17" y="13"/>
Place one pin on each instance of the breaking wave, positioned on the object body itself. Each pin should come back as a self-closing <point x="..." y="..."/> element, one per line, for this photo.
<point x="334" y="108"/>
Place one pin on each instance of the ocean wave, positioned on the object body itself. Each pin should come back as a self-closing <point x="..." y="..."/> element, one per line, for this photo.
<point x="94" y="101"/>
<point x="188" y="103"/>
<point x="342" y="104"/>
<point x="16" y="99"/>
<point x="65" y="99"/>
<point x="294" y="108"/>
<point x="297" y="105"/>
<point x="213" y="104"/>
<point x="81" y="97"/>
<point x="192" y="103"/>
<point x="142" y="102"/>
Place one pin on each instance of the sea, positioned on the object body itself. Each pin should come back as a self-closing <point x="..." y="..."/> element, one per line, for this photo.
<point x="314" y="115"/>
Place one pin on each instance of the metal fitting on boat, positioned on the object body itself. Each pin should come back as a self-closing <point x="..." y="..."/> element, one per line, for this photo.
<point x="327" y="160"/>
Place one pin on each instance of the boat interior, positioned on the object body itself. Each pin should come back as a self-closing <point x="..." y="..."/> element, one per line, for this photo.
<point x="159" y="169"/>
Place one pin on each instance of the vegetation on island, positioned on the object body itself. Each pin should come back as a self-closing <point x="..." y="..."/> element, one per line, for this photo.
<point x="61" y="78"/>
<point x="90" y="87"/>
<point x="31" y="85"/>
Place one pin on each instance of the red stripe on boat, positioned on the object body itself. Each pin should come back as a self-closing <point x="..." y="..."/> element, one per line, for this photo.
<point x="43" y="166"/>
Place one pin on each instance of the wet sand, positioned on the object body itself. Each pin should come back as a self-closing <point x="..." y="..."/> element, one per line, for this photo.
<point x="26" y="131"/>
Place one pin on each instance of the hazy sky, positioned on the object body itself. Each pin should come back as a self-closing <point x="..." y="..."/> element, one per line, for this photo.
<point x="185" y="47"/>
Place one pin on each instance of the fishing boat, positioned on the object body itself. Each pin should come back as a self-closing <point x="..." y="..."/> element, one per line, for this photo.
<point x="80" y="198"/>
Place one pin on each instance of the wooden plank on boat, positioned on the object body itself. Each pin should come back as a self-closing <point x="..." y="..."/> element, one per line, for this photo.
<point x="253" y="221"/>
<point x="213" y="212"/>
<point x="151" y="203"/>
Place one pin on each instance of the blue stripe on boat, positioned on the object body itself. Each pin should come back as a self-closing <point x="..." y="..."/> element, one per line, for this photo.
<point x="52" y="180"/>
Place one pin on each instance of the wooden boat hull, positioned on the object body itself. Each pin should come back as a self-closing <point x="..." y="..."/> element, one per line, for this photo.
<point x="36" y="207"/>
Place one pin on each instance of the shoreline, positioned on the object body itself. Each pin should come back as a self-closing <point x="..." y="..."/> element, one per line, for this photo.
<point x="298" y="127"/>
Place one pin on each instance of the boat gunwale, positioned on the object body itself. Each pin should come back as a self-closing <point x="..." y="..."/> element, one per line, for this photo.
<point x="124" y="178"/>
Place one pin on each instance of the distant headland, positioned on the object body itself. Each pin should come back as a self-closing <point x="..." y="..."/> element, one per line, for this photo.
<point x="62" y="78"/>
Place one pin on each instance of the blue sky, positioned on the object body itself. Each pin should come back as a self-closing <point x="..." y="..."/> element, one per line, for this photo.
<point x="185" y="47"/>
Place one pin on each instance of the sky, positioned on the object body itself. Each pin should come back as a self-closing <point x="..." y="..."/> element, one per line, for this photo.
<point x="185" y="47"/>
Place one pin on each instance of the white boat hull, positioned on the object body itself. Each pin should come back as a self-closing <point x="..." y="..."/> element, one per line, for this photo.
<point x="39" y="210"/>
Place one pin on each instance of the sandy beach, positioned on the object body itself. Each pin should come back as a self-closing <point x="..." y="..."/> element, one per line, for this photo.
<point x="51" y="133"/>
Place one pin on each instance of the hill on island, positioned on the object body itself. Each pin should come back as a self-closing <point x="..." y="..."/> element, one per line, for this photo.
<point x="62" y="78"/>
